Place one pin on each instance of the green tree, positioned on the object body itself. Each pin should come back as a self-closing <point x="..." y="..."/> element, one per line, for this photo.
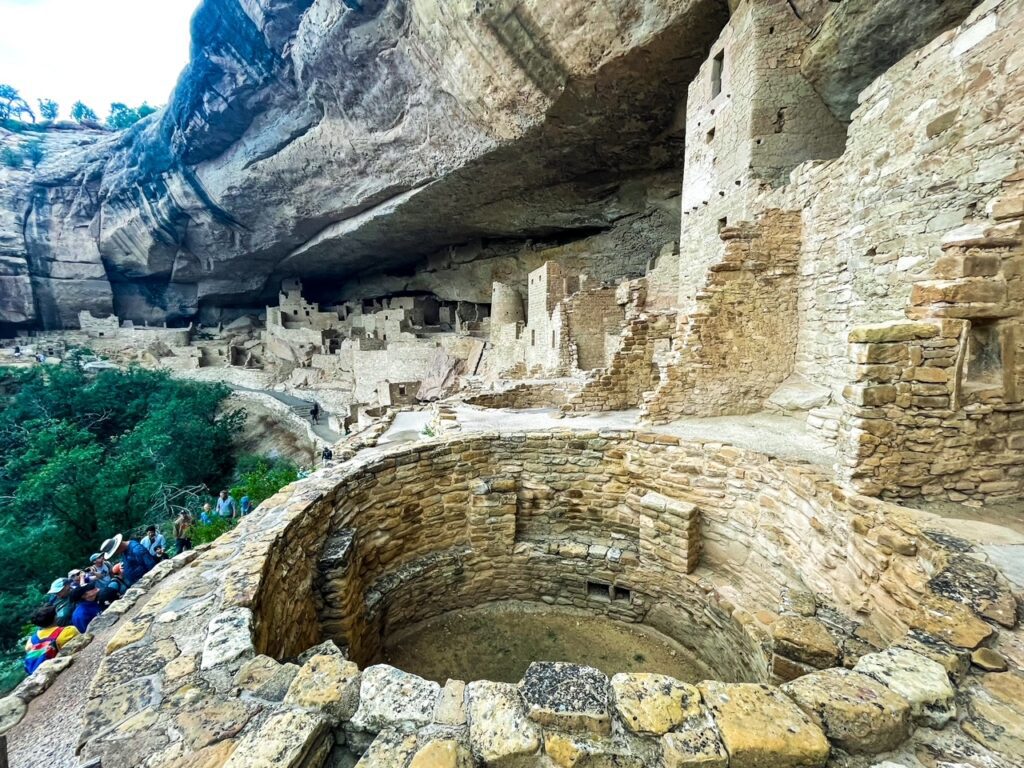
<point x="122" y="116"/>
<point x="85" y="456"/>
<point x="12" y="106"/>
<point x="48" y="109"/>
<point x="81" y="113"/>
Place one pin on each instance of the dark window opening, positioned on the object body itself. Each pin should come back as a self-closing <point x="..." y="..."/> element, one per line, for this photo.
<point x="533" y="338"/>
<point x="717" y="66"/>
<point x="552" y="339"/>
<point x="598" y="591"/>
<point x="401" y="389"/>
<point x="723" y="223"/>
<point x="984" y="367"/>
<point x="710" y="136"/>
<point x="621" y="593"/>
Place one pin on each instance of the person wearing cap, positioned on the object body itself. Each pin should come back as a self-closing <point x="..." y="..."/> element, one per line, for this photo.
<point x="136" y="561"/>
<point x="100" y="567"/>
<point x="59" y="597"/>
<point x="47" y="639"/>
<point x="87" y="605"/>
<point x="155" y="542"/>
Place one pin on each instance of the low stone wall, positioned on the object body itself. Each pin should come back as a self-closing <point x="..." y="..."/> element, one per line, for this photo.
<point x="527" y="395"/>
<point x="202" y="675"/>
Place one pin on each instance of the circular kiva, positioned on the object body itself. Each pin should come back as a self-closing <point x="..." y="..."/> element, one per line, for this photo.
<point x="831" y="620"/>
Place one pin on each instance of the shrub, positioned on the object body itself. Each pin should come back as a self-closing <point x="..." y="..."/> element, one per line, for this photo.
<point x="11" y="157"/>
<point x="34" y="151"/>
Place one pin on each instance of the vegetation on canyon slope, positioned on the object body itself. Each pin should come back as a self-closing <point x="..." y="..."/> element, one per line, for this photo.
<point x="84" y="456"/>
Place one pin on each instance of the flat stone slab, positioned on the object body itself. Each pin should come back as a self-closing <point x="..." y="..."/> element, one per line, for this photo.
<point x="806" y="640"/>
<point x="857" y="713"/>
<point x="389" y="696"/>
<point x="922" y="682"/>
<point x="327" y="683"/>
<point x="653" y="704"/>
<point x="441" y="753"/>
<point x="228" y="639"/>
<point x="284" y="740"/>
<point x="950" y="621"/>
<point x="567" y="696"/>
<point x="500" y="734"/>
<point x="995" y="713"/>
<point x="762" y="728"/>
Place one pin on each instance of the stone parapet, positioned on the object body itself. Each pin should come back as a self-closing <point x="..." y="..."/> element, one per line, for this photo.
<point x="193" y="675"/>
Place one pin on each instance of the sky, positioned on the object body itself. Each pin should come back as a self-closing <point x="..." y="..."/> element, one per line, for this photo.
<point x="96" y="51"/>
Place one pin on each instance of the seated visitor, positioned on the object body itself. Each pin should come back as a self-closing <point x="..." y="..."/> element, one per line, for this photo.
<point x="100" y="568"/>
<point x="59" y="597"/>
<point x="136" y="560"/>
<point x="154" y="542"/>
<point x="327" y="454"/>
<point x="47" y="639"/>
<point x="87" y="605"/>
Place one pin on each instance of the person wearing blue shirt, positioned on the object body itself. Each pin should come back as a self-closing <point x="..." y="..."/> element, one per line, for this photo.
<point x="136" y="561"/>
<point x="87" y="605"/>
<point x="245" y="505"/>
<point x="226" y="506"/>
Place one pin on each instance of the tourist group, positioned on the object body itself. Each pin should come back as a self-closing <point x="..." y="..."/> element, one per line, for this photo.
<point x="75" y="600"/>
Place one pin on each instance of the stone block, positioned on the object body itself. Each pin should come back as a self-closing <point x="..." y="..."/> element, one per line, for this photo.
<point x="500" y="734"/>
<point x="568" y="696"/>
<point x="653" y="704"/>
<point x="762" y="728"/>
<point x="857" y="713"/>
<point x="894" y="331"/>
<point x="693" y="748"/>
<point x="228" y="638"/>
<point x="920" y="681"/>
<point x="995" y="714"/>
<point x="391" y="697"/>
<point x="392" y="748"/>
<point x="327" y="683"/>
<point x="870" y="395"/>
<point x="284" y="740"/>
<point x="949" y="621"/>
<point x="451" y="706"/>
<point x="805" y="639"/>
<point x="442" y="753"/>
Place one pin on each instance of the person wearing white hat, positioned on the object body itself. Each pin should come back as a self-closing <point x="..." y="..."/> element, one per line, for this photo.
<point x="59" y="596"/>
<point x="136" y="561"/>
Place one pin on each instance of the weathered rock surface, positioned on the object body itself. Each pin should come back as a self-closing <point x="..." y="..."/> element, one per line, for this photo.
<point x="332" y="139"/>
<point x="857" y="713"/>
<point x="761" y="727"/>
<point x="920" y="681"/>
<point x="567" y="696"/>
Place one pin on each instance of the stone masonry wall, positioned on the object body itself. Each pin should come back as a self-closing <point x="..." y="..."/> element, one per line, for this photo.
<point x="930" y="144"/>
<point x="186" y="680"/>
<point x="738" y="345"/>
<point x="936" y="404"/>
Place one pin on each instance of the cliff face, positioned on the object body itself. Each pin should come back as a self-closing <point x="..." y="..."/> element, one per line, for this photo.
<point x="330" y="139"/>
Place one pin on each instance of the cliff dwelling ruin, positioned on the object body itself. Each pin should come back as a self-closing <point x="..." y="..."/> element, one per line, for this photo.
<point x="672" y="353"/>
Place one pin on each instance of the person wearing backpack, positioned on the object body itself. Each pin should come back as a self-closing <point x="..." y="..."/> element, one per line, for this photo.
<point x="47" y="639"/>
